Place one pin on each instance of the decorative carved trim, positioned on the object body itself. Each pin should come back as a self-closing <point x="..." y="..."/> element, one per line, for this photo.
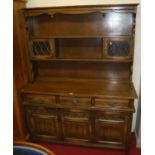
<point x="79" y="10"/>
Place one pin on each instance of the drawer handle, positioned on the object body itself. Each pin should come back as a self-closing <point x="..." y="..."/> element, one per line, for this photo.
<point x="74" y="99"/>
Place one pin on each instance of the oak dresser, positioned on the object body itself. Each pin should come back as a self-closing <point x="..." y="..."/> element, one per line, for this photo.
<point x="80" y="88"/>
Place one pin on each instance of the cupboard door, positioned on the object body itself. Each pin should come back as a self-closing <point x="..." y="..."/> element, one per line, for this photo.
<point x="42" y="48"/>
<point x="117" y="48"/>
<point x="42" y="122"/>
<point x="76" y="126"/>
<point x="111" y="129"/>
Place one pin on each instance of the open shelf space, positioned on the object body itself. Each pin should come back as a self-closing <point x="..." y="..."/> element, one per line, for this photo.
<point x="79" y="48"/>
<point x="92" y="24"/>
<point x="119" y="71"/>
<point x="81" y="87"/>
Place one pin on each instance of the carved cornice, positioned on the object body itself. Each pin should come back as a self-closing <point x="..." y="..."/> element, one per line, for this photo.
<point x="79" y="10"/>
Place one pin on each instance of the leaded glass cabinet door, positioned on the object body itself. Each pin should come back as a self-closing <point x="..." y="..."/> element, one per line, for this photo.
<point x="42" y="48"/>
<point x="117" y="48"/>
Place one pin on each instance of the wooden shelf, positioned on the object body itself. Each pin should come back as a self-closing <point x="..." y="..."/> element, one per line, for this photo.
<point x="80" y="36"/>
<point x="88" y="60"/>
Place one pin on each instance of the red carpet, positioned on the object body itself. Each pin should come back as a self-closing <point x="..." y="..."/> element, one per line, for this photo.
<point x="77" y="150"/>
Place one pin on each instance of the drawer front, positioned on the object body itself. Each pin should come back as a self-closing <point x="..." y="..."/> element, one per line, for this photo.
<point x="76" y="126"/>
<point x="74" y="101"/>
<point x="111" y="115"/>
<point x="41" y="99"/>
<point x="112" y="103"/>
<point x="39" y="110"/>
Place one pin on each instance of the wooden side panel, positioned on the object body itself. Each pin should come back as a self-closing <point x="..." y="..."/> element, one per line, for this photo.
<point x="19" y="130"/>
<point x="20" y="70"/>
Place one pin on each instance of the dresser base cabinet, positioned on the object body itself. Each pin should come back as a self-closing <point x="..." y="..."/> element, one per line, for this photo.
<point x="108" y="126"/>
<point x="80" y="89"/>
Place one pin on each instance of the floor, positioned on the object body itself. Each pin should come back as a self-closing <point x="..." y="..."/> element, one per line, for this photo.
<point x="77" y="150"/>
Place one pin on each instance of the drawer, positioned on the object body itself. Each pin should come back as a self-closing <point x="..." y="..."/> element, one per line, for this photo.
<point x="111" y="115"/>
<point x="75" y="113"/>
<point x="112" y="103"/>
<point x="40" y="110"/>
<point x="41" y="99"/>
<point x="74" y="101"/>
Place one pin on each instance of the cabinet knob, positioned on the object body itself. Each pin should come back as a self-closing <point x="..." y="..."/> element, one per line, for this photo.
<point x="74" y="99"/>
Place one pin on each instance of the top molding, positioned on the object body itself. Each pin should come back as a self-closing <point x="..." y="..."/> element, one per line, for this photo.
<point x="80" y="9"/>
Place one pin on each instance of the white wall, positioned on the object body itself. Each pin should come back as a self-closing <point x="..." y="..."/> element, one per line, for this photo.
<point x="47" y="3"/>
<point x="137" y="54"/>
<point x="137" y="62"/>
